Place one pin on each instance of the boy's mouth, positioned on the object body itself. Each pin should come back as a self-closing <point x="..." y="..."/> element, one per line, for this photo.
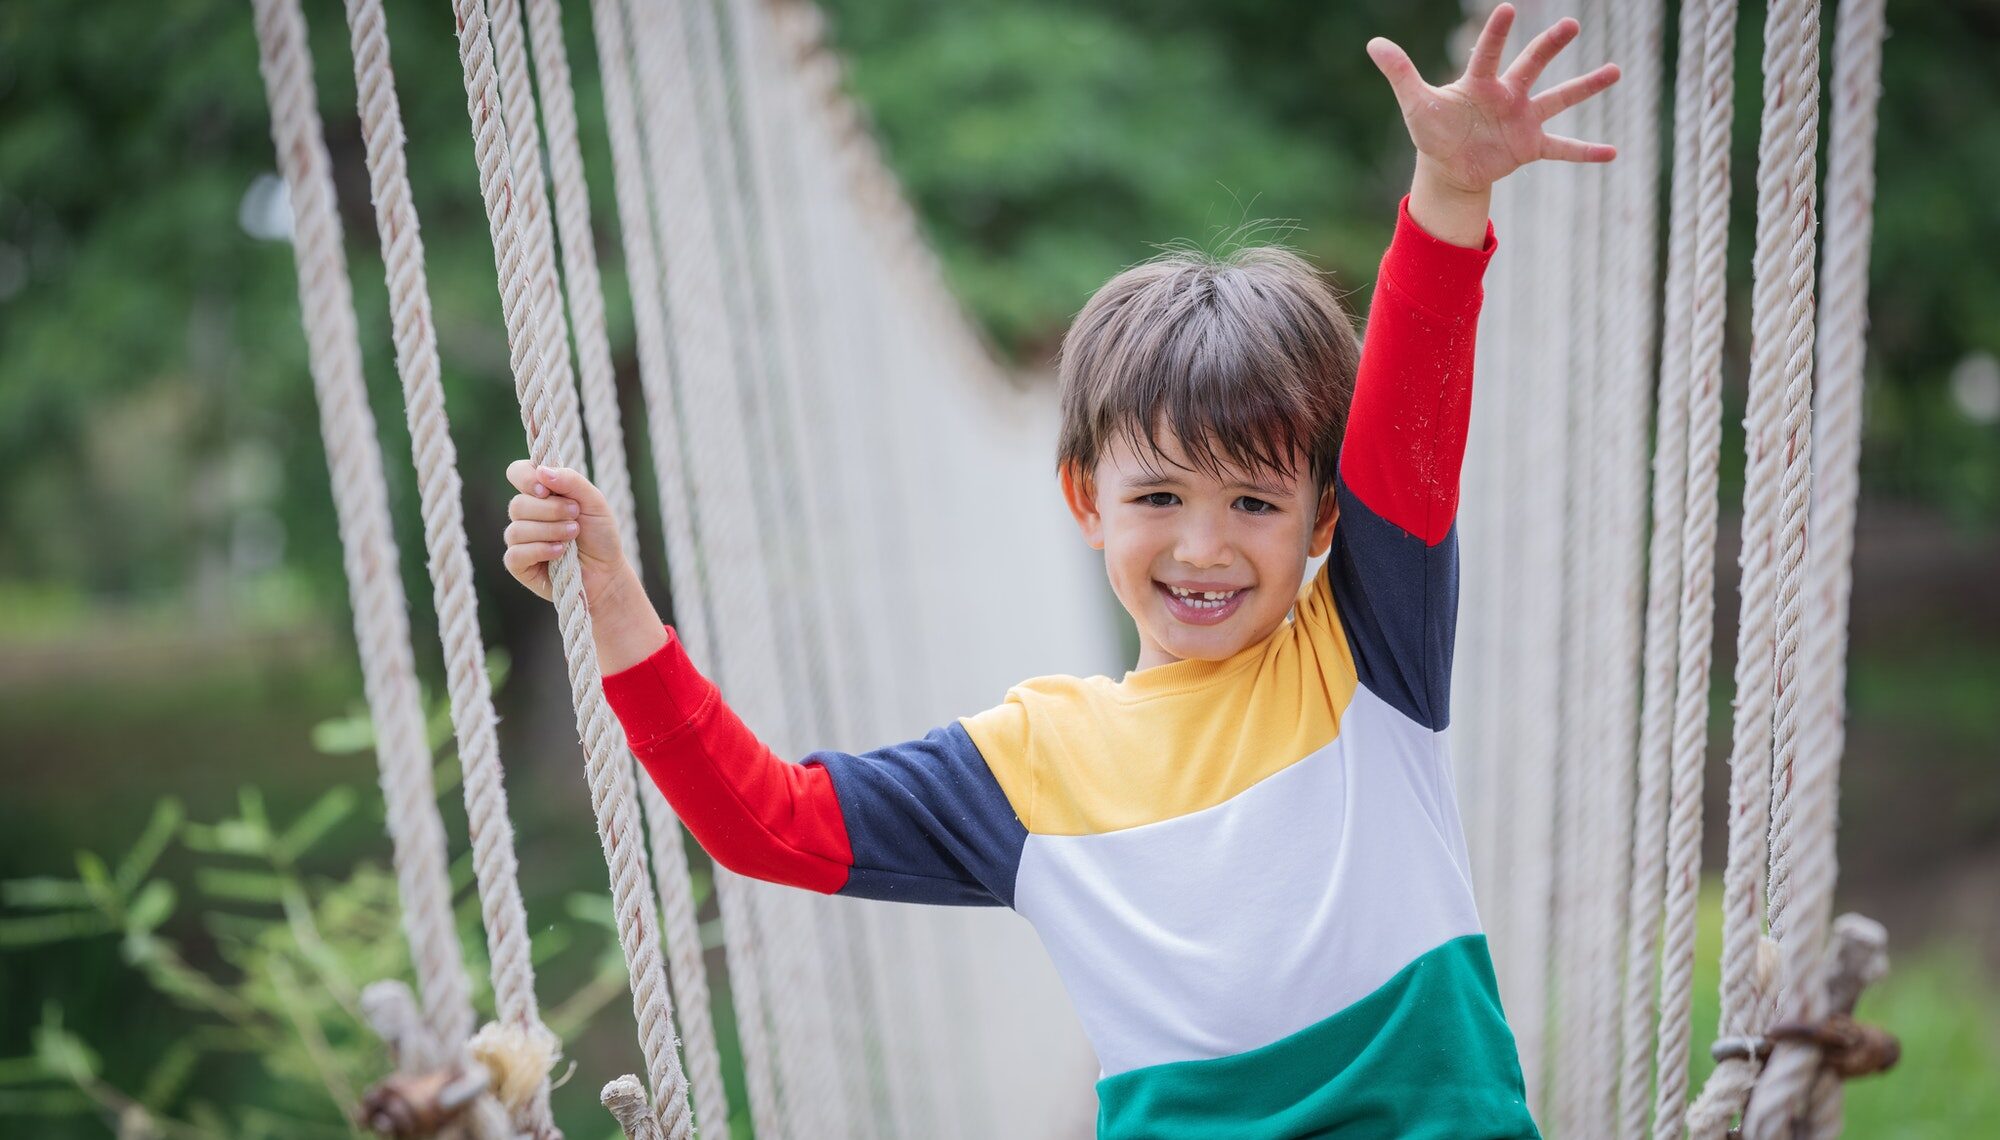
<point x="1201" y="607"/>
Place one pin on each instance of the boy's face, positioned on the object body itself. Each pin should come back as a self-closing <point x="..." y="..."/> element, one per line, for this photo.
<point x="1206" y="566"/>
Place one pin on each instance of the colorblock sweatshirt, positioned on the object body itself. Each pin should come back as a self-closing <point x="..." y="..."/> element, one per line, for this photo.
<point x="1250" y="873"/>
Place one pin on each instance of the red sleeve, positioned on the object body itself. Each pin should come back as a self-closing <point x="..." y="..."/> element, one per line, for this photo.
<point x="1406" y="428"/>
<point x="753" y="812"/>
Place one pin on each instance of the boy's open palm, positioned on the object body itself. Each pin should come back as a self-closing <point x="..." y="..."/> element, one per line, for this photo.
<point x="1487" y="125"/>
<point x="557" y="506"/>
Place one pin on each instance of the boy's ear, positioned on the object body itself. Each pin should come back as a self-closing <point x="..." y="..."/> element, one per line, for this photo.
<point x="1082" y="500"/>
<point x="1329" y="514"/>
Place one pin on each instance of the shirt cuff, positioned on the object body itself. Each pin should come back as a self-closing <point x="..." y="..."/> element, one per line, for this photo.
<point x="660" y="696"/>
<point x="1431" y="272"/>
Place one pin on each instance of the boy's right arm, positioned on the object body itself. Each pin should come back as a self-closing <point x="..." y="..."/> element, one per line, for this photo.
<point x="922" y="821"/>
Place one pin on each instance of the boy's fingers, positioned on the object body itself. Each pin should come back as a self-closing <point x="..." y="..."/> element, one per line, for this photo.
<point x="1394" y="64"/>
<point x="1543" y="48"/>
<point x="520" y="532"/>
<point x="1570" y="92"/>
<point x="570" y="482"/>
<point x="521" y="561"/>
<point x="555" y="508"/>
<point x="1485" y="61"/>
<point x="521" y="473"/>
<point x="1565" y="149"/>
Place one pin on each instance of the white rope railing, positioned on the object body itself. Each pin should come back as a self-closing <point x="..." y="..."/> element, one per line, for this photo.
<point x="361" y="502"/>
<point x="490" y="831"/>
<point x="542" y="413"/>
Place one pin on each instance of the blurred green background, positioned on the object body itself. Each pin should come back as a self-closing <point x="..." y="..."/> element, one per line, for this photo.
<point x="173" y="618"/>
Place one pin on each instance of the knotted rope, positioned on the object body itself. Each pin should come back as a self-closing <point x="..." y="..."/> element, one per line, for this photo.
<point x="1797" y="1086"/>
<point x="553" y="436"/>
<point x="491" y="833"/>
<point x="360" y="494"/>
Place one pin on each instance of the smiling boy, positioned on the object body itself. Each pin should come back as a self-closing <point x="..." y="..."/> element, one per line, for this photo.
<point x="1245" y="857"/>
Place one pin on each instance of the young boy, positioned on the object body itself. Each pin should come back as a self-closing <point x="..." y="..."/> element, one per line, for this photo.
<point x="1245" y="857"/>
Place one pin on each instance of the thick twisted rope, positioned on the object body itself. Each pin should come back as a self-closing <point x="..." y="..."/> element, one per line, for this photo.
<point x="1708" y="289"/>
<point x="582" y="283"/>
<point x="669" y="858"/>
<point x="608" y="767"/>
<point x="1777" y="437"/>
<point x="1807" y="879"/>
<point x="491" y="833"/>
<point x="361" y="501"/>
<point x="1669" y="494"/>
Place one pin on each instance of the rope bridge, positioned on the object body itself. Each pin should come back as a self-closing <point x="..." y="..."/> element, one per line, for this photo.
<point x="801" y="360"/>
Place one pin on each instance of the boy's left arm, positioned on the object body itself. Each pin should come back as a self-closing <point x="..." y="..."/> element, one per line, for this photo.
<point x="1394" y="566"/>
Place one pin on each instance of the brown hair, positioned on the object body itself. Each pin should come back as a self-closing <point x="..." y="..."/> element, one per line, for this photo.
<point x="1246" y="358"/>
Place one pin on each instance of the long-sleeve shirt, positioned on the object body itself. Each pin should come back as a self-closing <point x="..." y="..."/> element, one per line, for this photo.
<point x="1250" y="873"/>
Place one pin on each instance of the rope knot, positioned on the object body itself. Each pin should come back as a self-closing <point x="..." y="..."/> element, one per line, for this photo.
<point x="421" y="1104"/>
<point x="1847" y="1048"/>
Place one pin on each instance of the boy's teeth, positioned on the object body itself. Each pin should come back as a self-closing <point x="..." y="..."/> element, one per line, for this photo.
<point x="1199" y="597"/>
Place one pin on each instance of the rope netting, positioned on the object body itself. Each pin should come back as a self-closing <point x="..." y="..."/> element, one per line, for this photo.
<point x="818" y="413"/>
<point x="1585" y="652"/>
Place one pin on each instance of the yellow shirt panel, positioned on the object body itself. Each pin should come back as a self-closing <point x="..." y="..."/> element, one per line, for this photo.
<point x="1086" y="755"/>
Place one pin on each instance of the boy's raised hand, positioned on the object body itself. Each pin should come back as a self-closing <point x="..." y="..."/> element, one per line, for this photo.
<point x="556" y="506"/>
<point x="1486" y="124"/>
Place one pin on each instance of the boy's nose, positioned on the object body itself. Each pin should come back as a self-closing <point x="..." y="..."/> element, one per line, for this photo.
<point x="1202" y="548"/>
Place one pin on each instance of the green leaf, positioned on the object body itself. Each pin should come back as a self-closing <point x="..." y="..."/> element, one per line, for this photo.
<point x="241" y="886"/>
<point x="594" y="909"/>
<point x="326" y="813"/>
<point x="170" y="1076"/>
<point x="60" y="1051"/>
<point x="344" y="735"/>
<point x="22" y="1071"/>
<point x="145" y="852"/>
<point x="44" y="929"/>
<point x="45" y="893"/>
<point x="44" y="1102"/>
<point x="153" y="906"/>
<point x="97" y="881"/>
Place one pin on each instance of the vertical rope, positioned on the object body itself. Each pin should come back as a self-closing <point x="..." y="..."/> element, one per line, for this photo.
<point x="609" y="468"/>
<point x="607" y="766"/>
<point x="490" y="833"/>
<point x="1708" y="289"/>
<point x="1777" y="443"/>
<point x="1663" y="582"/>
<point x="1850" y="192"/>
<point x="360" y="494"/>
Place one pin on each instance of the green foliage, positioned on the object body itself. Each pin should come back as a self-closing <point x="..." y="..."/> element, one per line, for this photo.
<point x="271" y="986"/>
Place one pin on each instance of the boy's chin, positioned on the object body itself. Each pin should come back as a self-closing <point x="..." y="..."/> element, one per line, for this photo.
<point x="1204" y="643"/>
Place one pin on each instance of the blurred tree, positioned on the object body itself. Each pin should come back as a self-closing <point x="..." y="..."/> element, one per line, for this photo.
<point x="153" y="397"/>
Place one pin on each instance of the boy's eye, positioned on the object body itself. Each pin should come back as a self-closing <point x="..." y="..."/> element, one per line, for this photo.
<point x="1255" y="506"/>
<point x="1159" y="499"/>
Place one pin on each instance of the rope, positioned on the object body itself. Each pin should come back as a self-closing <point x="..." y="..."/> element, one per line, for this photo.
<point x="1662" y="620"/>
<point x="608" y="769"/>
<point x="1773" y="525"/>
<point x="669" y="857"/>
<point x="490" y="831"/>
<point x="360" y="495"/>
<point x="610" y="470"/>
<point x="1708" y="289"/>
<point x="1808" y="839"/>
